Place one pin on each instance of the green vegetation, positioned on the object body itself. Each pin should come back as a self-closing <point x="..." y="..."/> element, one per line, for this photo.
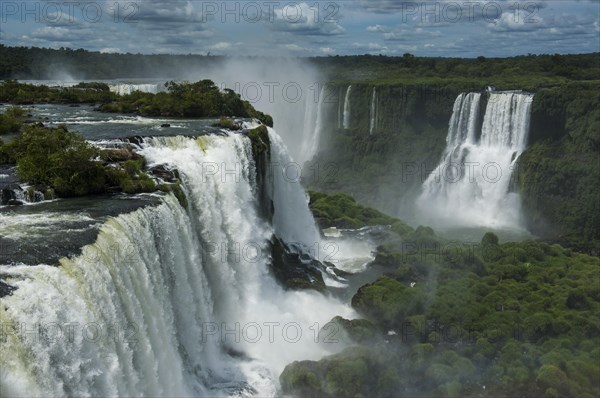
<point x="11" y="120"/>
<point x="56" y="158"/>
<point x="227" y="123"/>
<point x="522" y="71"/>
<point x="261" y="143"/>
<point x="59" y="161"/>
<point x="529" y="72"/>
<point x="559" y="172"/>
<point x="521" y="319"/>
<point x="200" y="99"/>
<point x="383" y="168"/>
<point x="342" y="211"/>
<point x="177" y="191"/>
<point x="191" y="100"/>
<point x="27" y="94"/>
<point x="40" y="63"/>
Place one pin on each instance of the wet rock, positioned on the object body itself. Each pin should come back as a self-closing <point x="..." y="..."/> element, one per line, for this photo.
<point x="11" y="193"/>
<point x="119" y="155"/>
<point x="165" y="125"/>
<point x="164" y="174"/>
<point x="6" y="289"/>
<point x="136" y="139"/>
<point x="295" y="270"/>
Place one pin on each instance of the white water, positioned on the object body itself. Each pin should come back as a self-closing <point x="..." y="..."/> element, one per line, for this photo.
<point x="346" y="123"/>
<point x="470" y="186"/>
<point x="160" y="277"/>
<point x="373" y="114"/>
<point x="297" y="226"/>
<point x="313" y="126"/>
<point x="128" y="88"/>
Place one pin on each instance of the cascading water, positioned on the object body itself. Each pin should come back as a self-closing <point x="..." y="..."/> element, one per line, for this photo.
<point x="313" y="125"/>
<point x="297" y="226"/>
<point x="470" y="186"/>
<point x="170" y="301"/>
<point x="127" y="88"/>
<point x="346" y="123"/>
<point x="373" y="114"/>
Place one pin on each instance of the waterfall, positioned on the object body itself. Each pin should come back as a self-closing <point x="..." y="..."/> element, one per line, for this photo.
<point x="470" y="186"/>
<point x="340" y="108"/>
<point x="296" y="226"/>
<point x="169" y="301"/>
<point x="373" y="114"/>
<point x="346" y="124"/>
<point x="127" y="88"/>
<point x="313" y="126"/>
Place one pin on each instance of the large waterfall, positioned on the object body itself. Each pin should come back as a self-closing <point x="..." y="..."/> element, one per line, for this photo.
<point x="346" y="120"/>
<point x="171" y="301"/>
<point x="313" y="126"/>
<point x="470" y="186"/>
<point x="373" y="112"/>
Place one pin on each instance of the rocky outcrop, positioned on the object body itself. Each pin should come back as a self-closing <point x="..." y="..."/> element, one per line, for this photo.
<point x="6" y="289"/>
<point x="294" y="269"/>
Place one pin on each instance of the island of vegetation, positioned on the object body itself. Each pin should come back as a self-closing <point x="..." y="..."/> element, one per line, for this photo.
<point x="180" y="100"/>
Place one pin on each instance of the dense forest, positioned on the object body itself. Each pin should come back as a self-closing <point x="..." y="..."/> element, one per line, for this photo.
<point x="451" y="319"/>
<point x="80" y="64"/>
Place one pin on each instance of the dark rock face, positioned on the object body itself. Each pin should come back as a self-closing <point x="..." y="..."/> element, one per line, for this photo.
<point x="165" y="174"/>
<point x="8" y="195"/>
<point x="295" y="270"/>
<point x="120" y="154"/>
<point x="5" y="289"/>
<point x="136" y="139"/>
<point x="261" y="153"/>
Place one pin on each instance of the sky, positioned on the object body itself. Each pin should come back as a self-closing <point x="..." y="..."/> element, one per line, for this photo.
<point x="445" y="28"/>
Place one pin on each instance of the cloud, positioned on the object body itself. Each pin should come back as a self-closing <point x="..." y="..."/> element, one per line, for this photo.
<point x="378" y="28"/>
<point x="58" y="33"/>
<point x="184" y="38"/>
<point x="162" y="12"/>
<point x="416" y="34"/>
<point x="372" y="48"/>
<point x="384" y="6"/>
<point x="518" y="21"/>
<point x="294" y="47"/>
<point x="377" y="46"/>
<point x="302" y="19"/>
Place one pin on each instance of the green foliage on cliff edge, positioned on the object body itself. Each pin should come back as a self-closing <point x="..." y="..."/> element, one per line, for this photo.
<point x="560" y="170"/>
